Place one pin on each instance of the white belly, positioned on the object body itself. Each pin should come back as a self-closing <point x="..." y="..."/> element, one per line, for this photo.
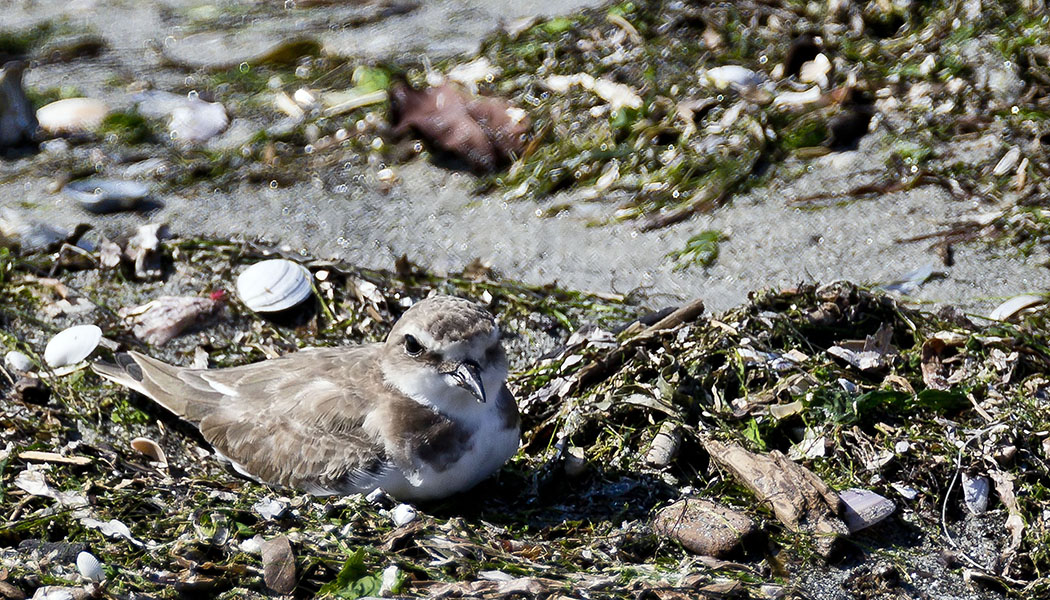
<point x="490" y="447"/>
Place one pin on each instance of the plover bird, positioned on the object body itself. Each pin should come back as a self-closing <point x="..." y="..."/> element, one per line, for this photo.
<point x="423" y="415"/>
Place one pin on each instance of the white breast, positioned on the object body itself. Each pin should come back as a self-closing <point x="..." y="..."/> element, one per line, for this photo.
<point x="491" y="445"/>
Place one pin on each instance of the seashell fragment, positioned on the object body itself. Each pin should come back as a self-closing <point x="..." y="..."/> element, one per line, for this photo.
<point x="975" y="493"/>
<point x="197" y="121"/>
<point x="106" y="195"/>
<point x="72" y="115"/>
<point x="403" y="514"/>
<point x="1015" y="305"/>
<point x="17" y="361"/>
<point x="151" y="449"/>
<point x="792" y="99"/>
<point x="72" y="345"/>
<point x="164" y="318"/>
<point x="17" y="119"/>
<point x="864" y="508"/>
<point x="733" y="76"/>
<point x="273" y="285"/>
<point x="143" y="249"/>
<point x="665" y="445"/>
<point x="816" y="71"/>
<point x="1007" y="162"/>
<point x="90" y="568"/>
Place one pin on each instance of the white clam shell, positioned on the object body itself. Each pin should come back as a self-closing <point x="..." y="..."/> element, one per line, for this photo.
<point x="106" y="195"/>
<point x="89" y="567"/>
<point x="72" y="345"/>
<point x="865" y="508"/>
<point x="17" y="361"/>
<point x="72" y="115"/>
<point x="149" y="448"/>
<point x="733" y="76"/>
<point x="273" y="285"/>
<point x="403" y="514"/>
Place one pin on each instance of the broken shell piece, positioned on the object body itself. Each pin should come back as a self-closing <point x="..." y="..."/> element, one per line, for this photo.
<point x="403" y="514"/>
<point x="197" y="121"/>
<point x="864" y="508"/>
<point x="72" y="345"/>
<point x="90" y="568"/>
<point x="18" y="362"/>
<point x="816" y="71"/>
<point x="792" y="99"/>
<point x="106" y="195"/>
<point x="733" y="76"/>
<point x="72" y="115"/>
<point x="1007" y="162"/>
<point x="143" y="249"/>
<point x="664" y="446"/>
<point x="1015" y="305"/>
<point x="164" y="318"/>
<point x="975" y="493"/>
<point x="151" y="449"/>
<point x="273" y="285"/>
<point x="17" y="119"/>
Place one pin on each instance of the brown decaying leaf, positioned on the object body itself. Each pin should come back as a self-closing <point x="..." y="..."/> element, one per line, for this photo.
<point x="164" y="318"/>
<point x="800" y="500"/>
<point x="278" y="565"/>
<point x="485" y="132"/>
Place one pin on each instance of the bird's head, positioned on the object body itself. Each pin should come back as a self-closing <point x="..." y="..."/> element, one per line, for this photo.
<point x="445" y="348"/>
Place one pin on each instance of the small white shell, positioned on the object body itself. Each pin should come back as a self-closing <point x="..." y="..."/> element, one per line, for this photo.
<point x="733" y="76"/>
<point x="1015" y="305"/>
<point x="89" y="567"/>
<point x="975" y="493"/>
<point x="72" y="115"/>
<point x="17" y="361"/>
<point x="403" y="514"/>
<point x="106" y="195"/>
<point x="865" y="508"/>
<point x="197" y="121"/>
<point x="72" y="345"/>
<point x="149" y="448"/>
<point x="273" y="285"/>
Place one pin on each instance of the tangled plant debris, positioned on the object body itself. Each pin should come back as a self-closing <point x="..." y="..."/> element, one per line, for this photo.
<point x="640" y="430"/>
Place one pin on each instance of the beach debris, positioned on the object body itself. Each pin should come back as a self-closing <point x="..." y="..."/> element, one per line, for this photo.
<point x="1007" y="162"/>
<point x="975" y="492"/>
<point x="72" y="345"/>
<point x="704" y="527"/>
<point x="18" y="362"/>
<point x="796" y="99"/>
<point x="800" y="500"/>
<point x="665" y="445"/>
<point x="237" y="48"/>
<point x="274" y="285"/>
<point x="1013" y="306"/>
<point x="18" y="122"/>
<point x="112" y="528"/>
<point x="278" y="565"/>
<point x="816" y="71"/>
<point x="166" y="317"/>
<point x="106" y="195"/>
<point x="864" y="508"/>
<point x="31" y="235"/>
<point x="403" y="514"/>
<point x="143" y="250"/>
<point x="190" y="119"/>
<point x="151" y="449"/>
<point x="485" y="132"/>
<point x="90" y="568"/>
<point x="871" y="354"/>
<point x="270" y="508"/>
<point x="617" y="95"/>
<point x="72" y="115"/>
<point x="391" y="581"/>
<point x="733" y="76"/>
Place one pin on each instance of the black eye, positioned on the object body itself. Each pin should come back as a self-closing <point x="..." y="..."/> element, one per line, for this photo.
<point x="412" y="346"/>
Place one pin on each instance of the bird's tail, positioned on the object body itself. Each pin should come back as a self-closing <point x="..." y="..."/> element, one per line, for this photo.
<point x="163" y="383"/>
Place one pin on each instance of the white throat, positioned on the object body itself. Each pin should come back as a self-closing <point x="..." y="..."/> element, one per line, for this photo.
<point x="433" y="390"/>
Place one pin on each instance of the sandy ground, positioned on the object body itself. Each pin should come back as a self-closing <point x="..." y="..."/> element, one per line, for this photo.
<point x="433" y="217"/>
